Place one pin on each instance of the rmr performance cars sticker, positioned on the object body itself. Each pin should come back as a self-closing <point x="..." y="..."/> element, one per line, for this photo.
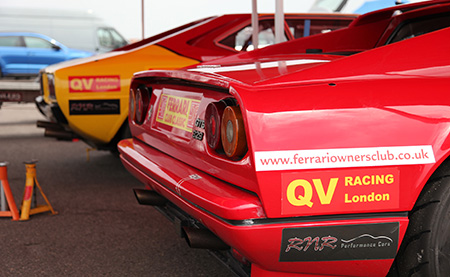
<point x="94" y="107"/>
<point x="371" y="189"/>
<point x="340" y="243"/>
<point x="343" y="157"/>
<point x="94" y="83"/>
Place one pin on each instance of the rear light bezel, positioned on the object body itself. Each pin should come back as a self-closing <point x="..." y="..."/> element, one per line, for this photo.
<point x="131" y="105"/>
<point x="213" y="119"/>
<point x="234" y="141"/>
<point x="51" y="86"/>
<point x="140" y="104"/>
<point x="220" y="114"/>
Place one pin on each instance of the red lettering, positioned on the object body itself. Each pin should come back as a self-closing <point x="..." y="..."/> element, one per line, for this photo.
<point x="319" y="243"/>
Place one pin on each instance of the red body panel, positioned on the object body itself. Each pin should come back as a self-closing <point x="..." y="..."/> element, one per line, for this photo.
<point x="339" y="146"/>
<point x="259" y="243"/>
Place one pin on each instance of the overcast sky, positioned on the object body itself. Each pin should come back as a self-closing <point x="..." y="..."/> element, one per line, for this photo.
<point x="160" y="15"/>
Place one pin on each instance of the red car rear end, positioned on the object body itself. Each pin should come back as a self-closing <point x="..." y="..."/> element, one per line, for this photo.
<point x="322" y="156"/>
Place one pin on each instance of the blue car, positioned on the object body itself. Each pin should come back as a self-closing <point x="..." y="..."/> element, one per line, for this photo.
<point x="24" y="54"/>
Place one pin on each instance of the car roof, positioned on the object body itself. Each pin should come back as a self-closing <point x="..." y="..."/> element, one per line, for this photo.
<point x="23" y="34"/>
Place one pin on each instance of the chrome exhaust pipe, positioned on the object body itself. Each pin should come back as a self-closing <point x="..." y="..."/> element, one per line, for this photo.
<point x="195" y="237"/>
<point x="203" y="239"/>
<point x="149" y="197"/>
<point x="59" y="134"/>
<point x="48" y="125"/>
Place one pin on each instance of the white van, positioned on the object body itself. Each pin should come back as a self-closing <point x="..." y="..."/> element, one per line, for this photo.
<point x="75" y="29"/>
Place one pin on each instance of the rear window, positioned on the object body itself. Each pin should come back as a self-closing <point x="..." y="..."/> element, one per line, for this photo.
<point x="241" y="40"/>
<point x="110" y="38"/>
<point x="310" y="27"/>
<point x="10" y="41"/>
<point x="34" y="42"/>
<point x="420" y="26"/>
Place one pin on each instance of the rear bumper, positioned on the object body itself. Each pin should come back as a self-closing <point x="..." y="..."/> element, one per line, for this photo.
<point x="310" y="245"/>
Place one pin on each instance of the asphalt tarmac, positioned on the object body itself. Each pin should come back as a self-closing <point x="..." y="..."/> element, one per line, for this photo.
<point x="100" y="229"/>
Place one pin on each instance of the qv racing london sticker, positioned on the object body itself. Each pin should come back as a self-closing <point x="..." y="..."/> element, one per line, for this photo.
<point x="340" y="243"/>
<point x="362" y="189"/>
<point x="94" y="83"/>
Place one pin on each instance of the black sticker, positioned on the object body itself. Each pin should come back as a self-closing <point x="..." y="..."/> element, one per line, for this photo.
<point x="200" y="123"/>
<point x="197" y="135"/>
<point x="93" y="107"/>
<point x="340" y="243"/>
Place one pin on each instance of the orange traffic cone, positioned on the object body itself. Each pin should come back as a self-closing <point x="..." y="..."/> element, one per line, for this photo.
<point x="6" y="191"/>
<point x="31" y="180"/>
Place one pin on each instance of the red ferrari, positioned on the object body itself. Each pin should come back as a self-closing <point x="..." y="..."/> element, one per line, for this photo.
<point x="323" y="156"/>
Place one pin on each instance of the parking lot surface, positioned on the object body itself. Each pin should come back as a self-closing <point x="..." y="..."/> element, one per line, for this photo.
<point x="100" y="229"/>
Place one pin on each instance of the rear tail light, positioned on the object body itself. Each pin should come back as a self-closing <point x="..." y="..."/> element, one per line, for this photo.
<point x="233" y="132"/>
<point x="224" y="127"/>
<point x="213" y="118"/>
<point x="132" y="107"/>
<point x="140" y="105"/>
<point x="51" y="86"/>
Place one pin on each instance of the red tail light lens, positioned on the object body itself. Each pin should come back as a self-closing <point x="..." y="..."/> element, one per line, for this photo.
<point x="233" y="132"/>
<point x="213" y="118"/>
<point x="142" y="98"/>
<point x="51" y="86"/>
<point x="132" y="106"/>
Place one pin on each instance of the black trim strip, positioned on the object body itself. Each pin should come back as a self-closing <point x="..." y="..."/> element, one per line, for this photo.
<point x="175" y="52"/>
<point x="183" y="82"/>
<point x="268" y="221"/>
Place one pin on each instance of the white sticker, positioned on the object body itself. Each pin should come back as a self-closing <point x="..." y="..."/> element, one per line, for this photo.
<point x="343" y="157"/>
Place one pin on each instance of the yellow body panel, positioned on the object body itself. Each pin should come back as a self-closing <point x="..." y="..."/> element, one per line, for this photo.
<point x="75" y="81"/>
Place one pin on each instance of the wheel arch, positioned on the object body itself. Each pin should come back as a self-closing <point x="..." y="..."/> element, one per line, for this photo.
<point x="442" y="170"/>
<point x="421" y="250"/>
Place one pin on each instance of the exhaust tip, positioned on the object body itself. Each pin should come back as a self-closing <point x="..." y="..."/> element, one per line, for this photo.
<point x="59" y="134"/>
<point x="149" y="197"/>
<point x="203" y="239"/>
<point x="49" y="125"/>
